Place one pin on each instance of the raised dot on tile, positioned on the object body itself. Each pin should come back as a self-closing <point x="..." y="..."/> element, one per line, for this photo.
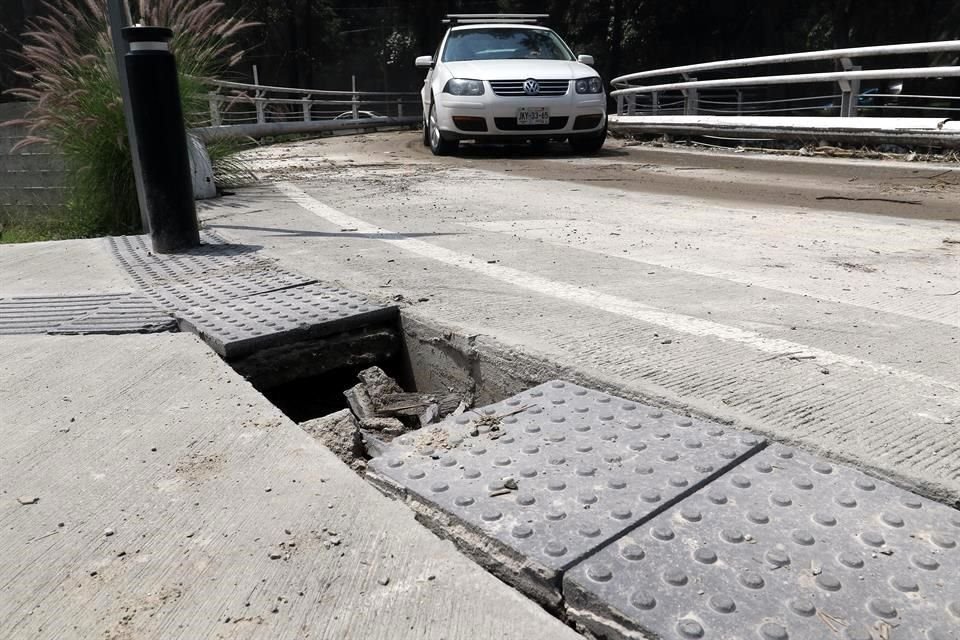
<point x="662" y="533"/>
<point x="555" y="515"/>
<point x="911" y="502"/>
<point x="828" y="582"/>
<point x="463" y="501"/>
<point x="824" y="519"/>
<point x="586" y="471"/>
<point x="891" y="519"/>
<point x="471" y="474"/>
<point x="522" y="531"/>
<point x="954" y="609"/>
<point x="758" y="517"/>
<point x="678" y="481"/>
<point x="751" y="580"/>
<point x="803" y="484"/>
<point x="722" y="604"/>
<point x="587" y="498"/>
<point x="741" y="482"/>
<point x="704" y="556"/>
<point x="439" y="487"/>
<point x="556" y="485"/>
<point x="906" y="584"/>
<point x="528" y="473"/>
<point x="925" y="561"/>
<point x="491" y="515"/>
<point x="781" y="500"/>
<point x="777" y="558"/>
<point x="872" y="539"/>
<point x="882" y="608"/>
<point x="864" y="484"/>
<point x="642" y="600"/>
<point x="650" y="495"/>
<point x="691" y="514"/>
<point x="599" y="573"/>
<point x="633" y="552"/>
<point x="554" y="549"/>
<point x="643" y="470"/>
<point x="689" y="628"/>
<point x="675" y="577"/>
<point x="733" y="536"/>
<point x="416" y="474"/>
<point x="802" y="607"/>
<point x="773" y="631"/>
<point x="850" y="560"/>
<point x="846" y="500"/>
<point x="802" y="538"/>
<point x="716" y="497"/>
<point x="943" y="541"/>
<point x="525" y="500"/>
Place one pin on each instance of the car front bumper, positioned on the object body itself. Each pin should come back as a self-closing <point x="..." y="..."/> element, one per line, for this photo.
<point x="493" y="116"/>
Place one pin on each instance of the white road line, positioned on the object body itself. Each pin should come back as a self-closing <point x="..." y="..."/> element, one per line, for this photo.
<point x="598" y="300"/>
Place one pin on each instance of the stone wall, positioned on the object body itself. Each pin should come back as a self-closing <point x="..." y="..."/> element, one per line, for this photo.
<point x="31" y="178"/>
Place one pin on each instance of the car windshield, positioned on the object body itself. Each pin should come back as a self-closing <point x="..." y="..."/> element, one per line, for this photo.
<point x="505" y="43"/>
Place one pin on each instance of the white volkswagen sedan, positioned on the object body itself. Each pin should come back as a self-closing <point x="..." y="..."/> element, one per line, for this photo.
<point x="499" y="81"/>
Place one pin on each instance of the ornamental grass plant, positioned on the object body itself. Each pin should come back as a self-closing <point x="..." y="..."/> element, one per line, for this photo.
<point x="71" y="80"/>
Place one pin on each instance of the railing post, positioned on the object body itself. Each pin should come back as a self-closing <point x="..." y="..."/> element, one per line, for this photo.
<point x="306" y="107"/>
<point x="739" y="102"/>
<point x="399" y="107"/>
<point x="355" y="101"/>
<point x="258" y="102"/>
<point x="619" y="105"/>
<point x="632" y="104"/>
<point x="214" y="99"/>
<point x="849" y="90"/>
<point x="691" y="98"/>
<point x="655" y="102"/>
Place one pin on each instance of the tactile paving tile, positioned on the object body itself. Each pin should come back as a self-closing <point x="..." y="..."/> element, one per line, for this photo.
<point x="238" y="327"/>
<point x="82" y="314"/>
<point x="586" y="467"/>
<point x="211" y="273"/>
<point x="785" y="546"/>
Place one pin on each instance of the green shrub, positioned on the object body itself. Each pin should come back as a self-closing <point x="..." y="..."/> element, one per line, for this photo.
<point x="72" y="81"/>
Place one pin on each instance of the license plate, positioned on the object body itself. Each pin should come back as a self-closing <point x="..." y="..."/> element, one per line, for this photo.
<point x="527" y="117"/>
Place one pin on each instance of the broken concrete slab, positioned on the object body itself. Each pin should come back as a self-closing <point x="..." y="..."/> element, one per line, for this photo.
<point x="174" y="452"/>
<point x="532" y="485"/>
<point x="786" y="545"/>
<point x="340" y="433"/>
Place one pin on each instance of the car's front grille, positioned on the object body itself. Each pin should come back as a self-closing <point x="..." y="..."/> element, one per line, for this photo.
<point x="547" y="88"/>
<point x="510" y="124"/>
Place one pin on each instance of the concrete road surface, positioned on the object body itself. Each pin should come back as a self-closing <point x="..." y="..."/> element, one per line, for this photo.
<point x="813" y="300"/>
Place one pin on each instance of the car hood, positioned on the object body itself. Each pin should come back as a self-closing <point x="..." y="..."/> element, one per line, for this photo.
<point x="520" y="69"/>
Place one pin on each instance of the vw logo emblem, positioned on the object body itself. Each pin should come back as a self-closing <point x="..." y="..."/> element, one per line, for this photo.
<point x="531" y="87"/>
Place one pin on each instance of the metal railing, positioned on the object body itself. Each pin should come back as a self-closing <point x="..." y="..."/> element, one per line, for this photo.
<point x="237" y="109"/>
<point x="685" y="96"/>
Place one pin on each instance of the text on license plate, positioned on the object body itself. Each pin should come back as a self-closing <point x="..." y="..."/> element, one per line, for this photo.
<point x="527" y="116"/>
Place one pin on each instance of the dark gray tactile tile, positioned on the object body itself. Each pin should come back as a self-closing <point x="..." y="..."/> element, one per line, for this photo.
<point x="586" y="467"/>
<point x="82" y="314"/>
<point x="238" y="301"/>
<point x="785" y="546"/>
<point x="212" y="273"/>
<point x="240" y="326"/>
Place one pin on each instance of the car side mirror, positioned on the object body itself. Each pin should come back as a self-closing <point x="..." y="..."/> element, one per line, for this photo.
<point x="424" y="61"/>
<point x="583" y="59"/>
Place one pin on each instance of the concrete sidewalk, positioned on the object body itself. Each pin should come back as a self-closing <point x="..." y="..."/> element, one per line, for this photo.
<point x="148" y="491"/>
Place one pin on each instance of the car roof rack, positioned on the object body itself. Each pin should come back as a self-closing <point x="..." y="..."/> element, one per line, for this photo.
<point x="454" y="19"/>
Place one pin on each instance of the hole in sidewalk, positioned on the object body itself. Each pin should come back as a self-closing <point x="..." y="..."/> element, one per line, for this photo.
<point x="358" y="389"/>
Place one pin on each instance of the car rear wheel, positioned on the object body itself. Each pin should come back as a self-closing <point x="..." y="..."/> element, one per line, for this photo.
<point x="426" y="130"/>
<point x="439" y="145"/>
<point x="590" y="143"/>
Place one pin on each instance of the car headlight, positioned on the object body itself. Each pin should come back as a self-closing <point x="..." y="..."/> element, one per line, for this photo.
<point x="589" y="85"/>
<point x="462" y="87"/>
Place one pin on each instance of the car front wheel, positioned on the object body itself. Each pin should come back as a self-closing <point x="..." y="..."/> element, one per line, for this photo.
<point x="439" y="145"/>
<point x="590" y="143"/>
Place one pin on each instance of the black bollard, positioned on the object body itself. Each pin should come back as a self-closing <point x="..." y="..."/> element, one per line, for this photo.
<point x="162" y="140"/>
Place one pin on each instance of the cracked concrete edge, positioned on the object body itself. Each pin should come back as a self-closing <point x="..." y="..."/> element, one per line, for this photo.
<point x="539" y="583"/>
<point x="499" y="369"/>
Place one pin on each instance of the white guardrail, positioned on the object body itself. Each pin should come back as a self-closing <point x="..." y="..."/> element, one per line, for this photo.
<point x="656" y="101"/>
<point x="237" y="109"/>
